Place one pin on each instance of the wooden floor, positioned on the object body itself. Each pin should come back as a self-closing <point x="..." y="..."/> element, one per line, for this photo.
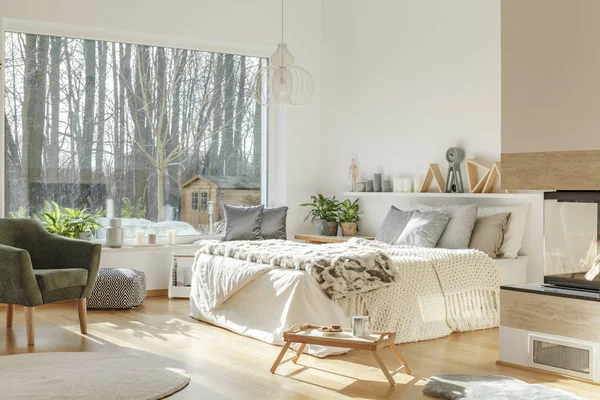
<point x="224" y="365"/>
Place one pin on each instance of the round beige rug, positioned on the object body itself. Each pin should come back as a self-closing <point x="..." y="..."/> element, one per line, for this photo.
<point x="90" y="376"/>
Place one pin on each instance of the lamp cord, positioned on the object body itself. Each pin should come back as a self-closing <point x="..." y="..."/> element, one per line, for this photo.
<point x="281" y="21"/>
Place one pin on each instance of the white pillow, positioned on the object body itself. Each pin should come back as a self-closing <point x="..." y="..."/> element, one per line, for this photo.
<point x="515" y="229"/>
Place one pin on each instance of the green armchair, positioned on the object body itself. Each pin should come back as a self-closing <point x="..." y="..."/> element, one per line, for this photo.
<point x="37" y="267"/>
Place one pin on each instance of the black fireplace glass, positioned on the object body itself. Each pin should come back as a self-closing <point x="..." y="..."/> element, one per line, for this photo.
<point x="571" y="251"/>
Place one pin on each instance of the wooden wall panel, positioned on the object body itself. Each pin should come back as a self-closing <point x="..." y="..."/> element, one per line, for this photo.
<point x="561" y="316"/>
<point x="556" y="170"/>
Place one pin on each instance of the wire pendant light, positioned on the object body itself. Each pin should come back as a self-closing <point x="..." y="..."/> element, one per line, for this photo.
<point x="282" y="83"/>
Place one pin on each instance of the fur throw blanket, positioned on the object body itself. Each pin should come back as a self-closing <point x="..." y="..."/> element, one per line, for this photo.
<point x="342" y="270"/>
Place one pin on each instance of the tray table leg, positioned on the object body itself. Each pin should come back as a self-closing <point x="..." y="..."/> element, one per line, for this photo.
<point x="280" y="356"/>
<point x="299" y="353"/>
<point x="383" y="368"/>
<point x="399" y="357"/>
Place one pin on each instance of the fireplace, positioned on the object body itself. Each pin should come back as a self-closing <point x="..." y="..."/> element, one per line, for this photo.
<point x="571" y="232"/>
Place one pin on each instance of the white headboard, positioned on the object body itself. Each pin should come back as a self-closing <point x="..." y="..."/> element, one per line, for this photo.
<point x="376" y="205"/>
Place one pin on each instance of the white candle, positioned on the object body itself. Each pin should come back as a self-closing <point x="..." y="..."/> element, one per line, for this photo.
<point x="110" y="208"/>
<point x="398" y="185"/>
<point x="408" y="185"/>
<point x="171" y="234"/>
<point x="139" y="238"/>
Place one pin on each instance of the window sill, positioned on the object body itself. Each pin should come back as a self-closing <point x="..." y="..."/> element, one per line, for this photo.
<point x="158" y="247"/>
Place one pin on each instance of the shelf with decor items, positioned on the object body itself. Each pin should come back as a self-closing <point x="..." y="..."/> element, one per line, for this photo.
<point x="446" y="195"/>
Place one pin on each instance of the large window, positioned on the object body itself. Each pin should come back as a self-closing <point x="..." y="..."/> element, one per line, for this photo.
<point x="87" y="121"/>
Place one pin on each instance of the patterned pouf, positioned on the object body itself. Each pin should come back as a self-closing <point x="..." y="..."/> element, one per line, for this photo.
<point x="118" y="288"/>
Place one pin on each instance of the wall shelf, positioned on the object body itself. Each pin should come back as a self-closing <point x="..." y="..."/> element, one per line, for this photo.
<point x="447" y="195"/>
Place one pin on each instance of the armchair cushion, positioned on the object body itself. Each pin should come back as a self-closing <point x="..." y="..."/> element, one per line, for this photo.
<point x="52" y="279"/>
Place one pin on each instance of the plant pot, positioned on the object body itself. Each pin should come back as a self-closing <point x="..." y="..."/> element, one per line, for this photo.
<point x="349" y="228"/>
<point x="326" y="228"/>
<point x="85" y="236"/>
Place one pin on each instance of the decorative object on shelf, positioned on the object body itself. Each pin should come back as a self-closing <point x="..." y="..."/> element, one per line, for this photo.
<point x="377" y="182"/>
<point x="152" y="238"/>
<point x="348" y="216"/>
<point x="139" y="238"/>
<point x="417" y="182"/>
<point x="114" y="233"/>
<point x="475" y="184"/>
<point x="386" y="185"/>
<point x="408" y="185"/>
<point x="281" y="83"/>
<point x="353" y="174"/>
<point x="171" y="237"/>
<point x="110" y="208"/>
<point x="490" y="184"/>
<point x="324" y="214"/>
<point x="487" y="183"/>
<point x="399" y="185"/>
<point x="361" y="186"/>
<point x="369" y="186"/>
<point x="434" y="172"/>
<point x="454" y="181"/>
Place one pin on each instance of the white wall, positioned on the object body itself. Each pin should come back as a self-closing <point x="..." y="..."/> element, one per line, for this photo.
<point x="403" y="81"/>
<point x="237" y="26"/>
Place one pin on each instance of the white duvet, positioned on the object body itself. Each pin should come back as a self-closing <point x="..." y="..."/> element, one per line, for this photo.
<point x="273" y="301"/>
<point x="437" y="292"/>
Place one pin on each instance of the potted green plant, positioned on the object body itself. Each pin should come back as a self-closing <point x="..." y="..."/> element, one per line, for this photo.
<point x="348" y="216"/>
<point x="70" y="222"/>
<point x="323" y="214"/>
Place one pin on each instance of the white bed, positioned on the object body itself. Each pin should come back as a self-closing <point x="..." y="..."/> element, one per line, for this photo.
<point x="279" y="298"/>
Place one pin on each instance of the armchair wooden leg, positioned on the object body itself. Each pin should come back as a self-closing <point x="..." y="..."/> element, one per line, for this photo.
<point x="82" y="311"/>
<point x="29" y="311"/>
<point x="10" y="311"/>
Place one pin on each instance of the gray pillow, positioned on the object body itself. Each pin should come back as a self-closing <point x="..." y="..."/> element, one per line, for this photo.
<point x="424" y="229"/>
<point x="243" y="222"/>
<point x="488" y="234"/>
<point x="458" y="231"/>
<point x="273" y="223"/>
<point x="394" y="223"/>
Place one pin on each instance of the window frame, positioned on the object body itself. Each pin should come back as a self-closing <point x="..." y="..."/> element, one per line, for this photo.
<point x="203" y="201"/>
<point x="139" y="38"/>
<point x="195" y="201"/>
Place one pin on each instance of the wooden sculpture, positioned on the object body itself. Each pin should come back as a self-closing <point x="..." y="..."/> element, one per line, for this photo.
<point x="490" y="184"/>
<point x="434" y="172"/>
<point x="476" y="185"/>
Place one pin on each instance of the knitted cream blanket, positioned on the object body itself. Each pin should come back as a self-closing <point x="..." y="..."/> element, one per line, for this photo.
<point x="469" y="281"/>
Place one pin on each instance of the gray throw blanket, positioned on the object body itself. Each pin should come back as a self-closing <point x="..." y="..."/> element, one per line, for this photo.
<point x="341" y="269"/>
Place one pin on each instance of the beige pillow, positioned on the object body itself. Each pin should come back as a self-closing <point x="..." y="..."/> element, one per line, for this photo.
<point x="488" y="234"/>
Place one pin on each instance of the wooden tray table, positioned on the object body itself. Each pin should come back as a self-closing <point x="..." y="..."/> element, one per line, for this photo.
<point x="309" y="334"/>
